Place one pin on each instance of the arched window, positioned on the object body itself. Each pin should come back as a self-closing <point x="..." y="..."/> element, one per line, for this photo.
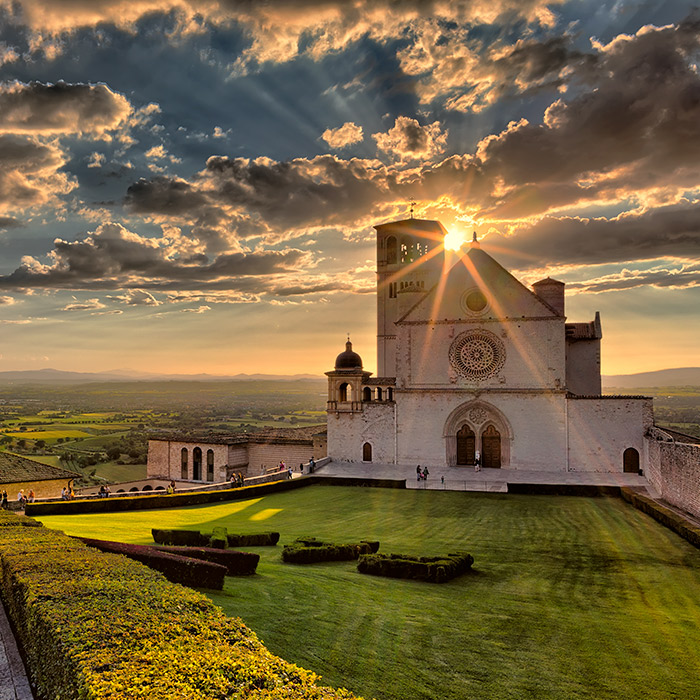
<point x="630" y="461"/>
<point x="183" y="463"/>
<point x="147" y="487"/>
<point x="391" y="251"/>
<point x="390" y="397"/>
<point x="379" y="393"/>
<point x="197" y="464"/>
<point x="366" y="452"/>
<point x="210" y="465"/>
<point x="345" y="392"/>
<point x="366" y="394"/>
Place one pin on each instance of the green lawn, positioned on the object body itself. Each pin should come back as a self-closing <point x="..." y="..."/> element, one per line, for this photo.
<point x="569" y="597"/>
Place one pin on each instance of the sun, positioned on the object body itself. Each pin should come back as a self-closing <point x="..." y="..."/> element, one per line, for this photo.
<point x="454" y="240"/>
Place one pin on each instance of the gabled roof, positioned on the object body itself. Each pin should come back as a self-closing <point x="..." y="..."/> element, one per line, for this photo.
<point x="476" y="270"/>
<point x="15" y="468"/>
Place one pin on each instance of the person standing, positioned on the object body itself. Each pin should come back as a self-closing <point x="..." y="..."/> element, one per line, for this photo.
<point x="477" y="461"/>
<point x="3" y="499"/>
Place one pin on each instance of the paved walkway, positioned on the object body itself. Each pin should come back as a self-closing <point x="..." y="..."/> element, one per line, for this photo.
<point x="14" y="684"/>
<point x="466" y="479"/>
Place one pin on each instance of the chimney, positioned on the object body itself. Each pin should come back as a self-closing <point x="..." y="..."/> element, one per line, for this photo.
<point x="552" y="292"/>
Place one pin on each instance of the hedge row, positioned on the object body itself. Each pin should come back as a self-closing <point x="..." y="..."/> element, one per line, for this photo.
<point x="587" y="490"/>
<point x="666" y="516"/>
<point x="311" y="551"/>
<point x="236" y="563"/>
<point x="12" y="520"/>
<point x="432" y="569"/>
<point x="97" y="626"/>
<point x="187" y="570"/>
<point x="195" y="538"/>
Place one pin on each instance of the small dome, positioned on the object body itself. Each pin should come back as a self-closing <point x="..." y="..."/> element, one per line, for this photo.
<point x="348" y="359"/>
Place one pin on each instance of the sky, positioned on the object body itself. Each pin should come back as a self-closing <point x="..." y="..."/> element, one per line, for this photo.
<point x="191" y="186"/>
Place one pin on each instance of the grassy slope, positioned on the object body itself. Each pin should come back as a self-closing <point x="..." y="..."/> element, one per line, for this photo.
<point x="570" y="597"/>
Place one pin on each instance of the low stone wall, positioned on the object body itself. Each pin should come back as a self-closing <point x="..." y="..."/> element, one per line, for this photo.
<point x="673" y="469"/>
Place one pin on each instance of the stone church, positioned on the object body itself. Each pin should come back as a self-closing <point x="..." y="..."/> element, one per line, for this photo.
<point x="470" y="359"/>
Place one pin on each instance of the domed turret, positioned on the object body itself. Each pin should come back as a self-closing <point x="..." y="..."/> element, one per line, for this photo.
<point x="348" y="359"/>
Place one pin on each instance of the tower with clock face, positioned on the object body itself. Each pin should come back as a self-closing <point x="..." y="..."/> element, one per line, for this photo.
<point x="471" y="361"/>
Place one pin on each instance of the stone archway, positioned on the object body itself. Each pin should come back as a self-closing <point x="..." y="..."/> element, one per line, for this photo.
<point x="477" y="417"/>
<point x="466" y="446"/>
<point x="630" y="461"/>
<point x="491" y="448"/>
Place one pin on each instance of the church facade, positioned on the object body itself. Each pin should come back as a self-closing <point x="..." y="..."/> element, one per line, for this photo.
<point x="471" y="361"/>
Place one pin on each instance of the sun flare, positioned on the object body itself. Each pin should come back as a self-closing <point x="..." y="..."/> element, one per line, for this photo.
<point x="454" y="240"/>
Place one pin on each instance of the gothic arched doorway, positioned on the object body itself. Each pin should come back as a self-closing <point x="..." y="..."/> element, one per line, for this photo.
<point x="630" y="461"/>
<point x="491" y="448"/>
<point x="366" y="452"/>
<point x="466" y="444"/>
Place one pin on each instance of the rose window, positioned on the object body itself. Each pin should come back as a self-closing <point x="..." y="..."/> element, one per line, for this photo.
<point x="477" y="355"/>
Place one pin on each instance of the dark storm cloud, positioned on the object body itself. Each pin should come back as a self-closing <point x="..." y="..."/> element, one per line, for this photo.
<point x="170" y="196"/>
<point x="60" y="108"/>
<point x="7" y="222"/>
<point x="114" y="257"/>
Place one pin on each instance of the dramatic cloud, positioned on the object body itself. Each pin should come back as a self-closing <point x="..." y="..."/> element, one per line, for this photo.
<point x="664" y="277"/>
<point x="343" y="136"/>
<point x="113" y="257"/>
<point x="87" y="305"/>
<point x="60" y="108"/>
<point x="407" y="140"/>
<point x="30" y="174"/>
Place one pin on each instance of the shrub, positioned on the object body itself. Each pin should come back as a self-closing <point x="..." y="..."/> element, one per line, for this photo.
<point x="311" y="550"/>
<point x="260" y="539"/>
<point x="237" y="563"/>
<point x="180" y="538"/>
<point x="102" y="627"/>
<point x="12" y="520"/>
<point x="432" y="569"/>
<point x="189" y="571"/>
<point x="218" y="538"/>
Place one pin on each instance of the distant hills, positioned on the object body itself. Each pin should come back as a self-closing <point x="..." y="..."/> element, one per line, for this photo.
<point x="681" y="376"/>
<point x="56" y="376"/>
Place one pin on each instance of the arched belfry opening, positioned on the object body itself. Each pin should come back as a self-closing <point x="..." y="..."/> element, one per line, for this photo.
<point x="345" y="392"/>
<point x="366" y="394"/>
<point x="630" y="461"/>
<point x="477" y="425"/>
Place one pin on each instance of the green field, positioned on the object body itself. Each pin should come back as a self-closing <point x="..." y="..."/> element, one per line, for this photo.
<point x="50" y="435"/>
<point x="569" y="597"/>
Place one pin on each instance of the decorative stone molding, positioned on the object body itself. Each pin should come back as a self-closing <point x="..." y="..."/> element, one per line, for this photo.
<point x="477" y="354"/>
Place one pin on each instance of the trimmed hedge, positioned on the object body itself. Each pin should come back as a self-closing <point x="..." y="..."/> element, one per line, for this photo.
<point x="311" y="551"/>
<point x="236" y="563"/>
<point x="12" y="520"/>
<point x="675" y="521"/>
<point x="195" y="538"/>
<point x="432" y="569"/>
<point x="96" y="626"/>
<point x="260" y="539"/>
<point x="189" y="571"/>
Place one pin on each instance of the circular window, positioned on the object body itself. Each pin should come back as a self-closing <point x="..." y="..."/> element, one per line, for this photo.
<point x="477" y="355"/>
<point x="474" y="301"/>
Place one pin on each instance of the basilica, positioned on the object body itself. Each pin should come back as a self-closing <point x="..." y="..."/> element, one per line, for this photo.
<point x="471" y="362"/>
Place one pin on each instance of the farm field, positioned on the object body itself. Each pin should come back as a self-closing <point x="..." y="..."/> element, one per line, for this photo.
<point x="569" y="597"/>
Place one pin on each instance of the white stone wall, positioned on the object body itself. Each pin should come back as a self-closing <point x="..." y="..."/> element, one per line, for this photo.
<point x="673" y="469"/>
<point x="600" y="430"/>
<point x="347" y="433"/>
<point x="535" y="354"/>
<point x="583" y="367"/>
<point x="532" y="426"/>
<point x="270" y="455"/>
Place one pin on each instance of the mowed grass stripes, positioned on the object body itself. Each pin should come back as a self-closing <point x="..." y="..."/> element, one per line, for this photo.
<point x="569" y="597"/>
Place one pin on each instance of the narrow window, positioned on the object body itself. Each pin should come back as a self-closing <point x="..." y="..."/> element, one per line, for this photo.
<point x="210" y="465"/>
<point x="183" y="463"/>
<point x="366" y="452"/>
<point x="344" y="392"/>
<point x="379" y="393"/>
<point x="197" y="463"/>
<point x="391" y="251"/>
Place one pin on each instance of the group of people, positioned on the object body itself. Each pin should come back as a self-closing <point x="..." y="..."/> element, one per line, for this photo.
<point x="104" y="491"/>
<point x="237" y="480"/>
<point x="22" y="498"/>
<point x="171" y="488"/>
<point x="67" y="493"/>
<point x="422" y="474"/>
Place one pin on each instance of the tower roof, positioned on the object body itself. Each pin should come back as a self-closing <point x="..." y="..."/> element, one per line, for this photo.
<point x="348" y="359"/>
